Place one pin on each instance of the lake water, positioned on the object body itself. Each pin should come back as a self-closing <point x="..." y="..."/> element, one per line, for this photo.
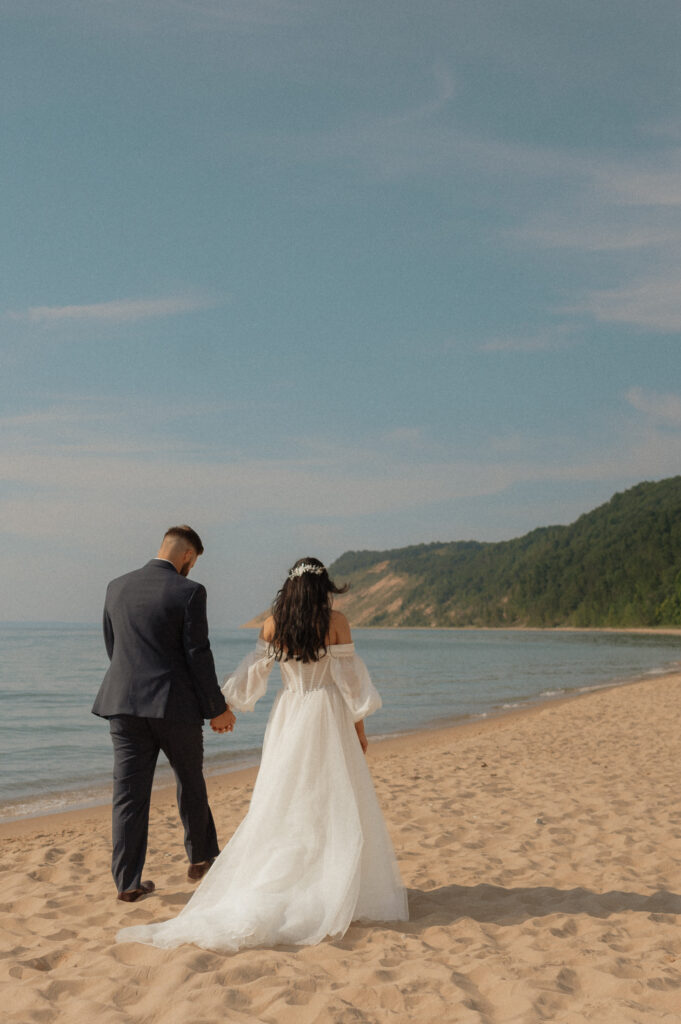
<point x="55" y="755"/>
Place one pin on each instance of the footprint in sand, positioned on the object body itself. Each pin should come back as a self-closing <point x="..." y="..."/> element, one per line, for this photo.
<point x="46" y="962"/>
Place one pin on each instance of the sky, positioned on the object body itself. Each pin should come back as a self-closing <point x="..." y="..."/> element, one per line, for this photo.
<point x="321" y="276"/>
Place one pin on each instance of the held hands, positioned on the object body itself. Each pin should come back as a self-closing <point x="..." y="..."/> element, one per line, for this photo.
<point x="224" y="722"/>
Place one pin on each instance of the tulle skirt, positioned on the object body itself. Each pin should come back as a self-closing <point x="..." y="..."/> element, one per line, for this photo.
<point x="312" y="854"/>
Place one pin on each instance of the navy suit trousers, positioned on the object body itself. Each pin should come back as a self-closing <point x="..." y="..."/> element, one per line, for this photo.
<point x="136" y="743"/>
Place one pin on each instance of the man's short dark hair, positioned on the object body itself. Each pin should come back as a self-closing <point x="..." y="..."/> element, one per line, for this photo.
<point x="186" y="533"/>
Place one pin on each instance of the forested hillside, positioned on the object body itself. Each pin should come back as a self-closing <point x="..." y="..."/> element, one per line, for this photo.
<point x="619" y="565"/>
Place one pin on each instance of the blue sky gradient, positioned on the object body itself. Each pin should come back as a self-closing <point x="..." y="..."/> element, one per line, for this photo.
<point x="319" y="276"/>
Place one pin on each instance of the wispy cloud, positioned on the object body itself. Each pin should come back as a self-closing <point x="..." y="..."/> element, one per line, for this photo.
<point x="144" y="15"/>
<point x="409" y="140"/>
<point x="665" y="408"/>
<point x="95" y="483"/>
<point x="653" y="303"/>
<point x="50" y="418"/>
<point x="109" y="502"/>
<point x="246" y="12"/>
<point x="541" y="341"/>
<point x="405" y="437"/>
<point x="611" y="205"/>
<point x="116" y="311"/>
<point x="107" y="426"/>
<point x="657" y="182"/>
<point x="596" y="231"/>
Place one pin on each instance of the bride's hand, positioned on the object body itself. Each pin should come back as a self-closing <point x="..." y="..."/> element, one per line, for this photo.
<point x="361" y="736"/>
<point x="224" y="722"/>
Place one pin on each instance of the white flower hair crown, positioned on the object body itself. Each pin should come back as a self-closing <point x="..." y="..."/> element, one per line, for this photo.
<point x="300" y="570"/>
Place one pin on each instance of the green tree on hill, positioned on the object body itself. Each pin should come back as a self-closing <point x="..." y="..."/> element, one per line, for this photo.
<point x="619" y="565"/>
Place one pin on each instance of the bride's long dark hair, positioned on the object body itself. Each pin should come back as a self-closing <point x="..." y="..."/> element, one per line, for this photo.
<point x="302" y="612"/>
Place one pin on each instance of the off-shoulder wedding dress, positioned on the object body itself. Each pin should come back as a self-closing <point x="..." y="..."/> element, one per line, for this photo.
<point x="313" y="852"/>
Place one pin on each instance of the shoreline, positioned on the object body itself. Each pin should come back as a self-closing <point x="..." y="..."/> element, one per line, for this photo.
<point x="82" y="796"/>
<point x="652" y="630"/>
<point x="163" y="793"/>
<point x="638" y="630"/>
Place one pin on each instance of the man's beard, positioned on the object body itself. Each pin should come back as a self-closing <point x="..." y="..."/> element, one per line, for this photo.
<point x="184" y="571"/>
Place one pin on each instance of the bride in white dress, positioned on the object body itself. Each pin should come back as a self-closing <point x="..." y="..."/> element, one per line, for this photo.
<point x="313" y="852"/>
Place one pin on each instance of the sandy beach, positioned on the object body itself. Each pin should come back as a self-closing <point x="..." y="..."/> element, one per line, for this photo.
<point x="541" y="849"/>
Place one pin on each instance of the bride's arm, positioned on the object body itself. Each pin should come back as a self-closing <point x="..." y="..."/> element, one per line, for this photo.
<point x="247" y="684"/>
<point x="341" y="634"/>
<point x="351" y="677"/>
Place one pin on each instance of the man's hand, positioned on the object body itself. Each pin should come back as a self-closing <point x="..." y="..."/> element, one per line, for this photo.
<point x="224" y="722"/>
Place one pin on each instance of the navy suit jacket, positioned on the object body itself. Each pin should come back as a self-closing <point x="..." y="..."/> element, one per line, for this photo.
<point x="156" y="635"/>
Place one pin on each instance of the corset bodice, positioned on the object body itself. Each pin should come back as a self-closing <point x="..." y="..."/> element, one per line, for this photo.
<point x="306" y="676"/>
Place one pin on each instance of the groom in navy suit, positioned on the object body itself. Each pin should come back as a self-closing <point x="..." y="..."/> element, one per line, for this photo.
<point x="160" y="686"/>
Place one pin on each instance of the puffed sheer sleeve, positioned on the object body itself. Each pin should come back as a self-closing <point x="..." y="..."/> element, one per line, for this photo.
<point x="352" y="678"/>
<point x="247" y="684"/>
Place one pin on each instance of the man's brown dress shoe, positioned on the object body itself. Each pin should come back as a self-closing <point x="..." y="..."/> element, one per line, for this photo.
<point x="131" y="895"/>
<point x="197" y="871"/>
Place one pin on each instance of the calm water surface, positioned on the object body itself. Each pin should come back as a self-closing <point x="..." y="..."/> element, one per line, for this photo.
<point x="55" y="754"/>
